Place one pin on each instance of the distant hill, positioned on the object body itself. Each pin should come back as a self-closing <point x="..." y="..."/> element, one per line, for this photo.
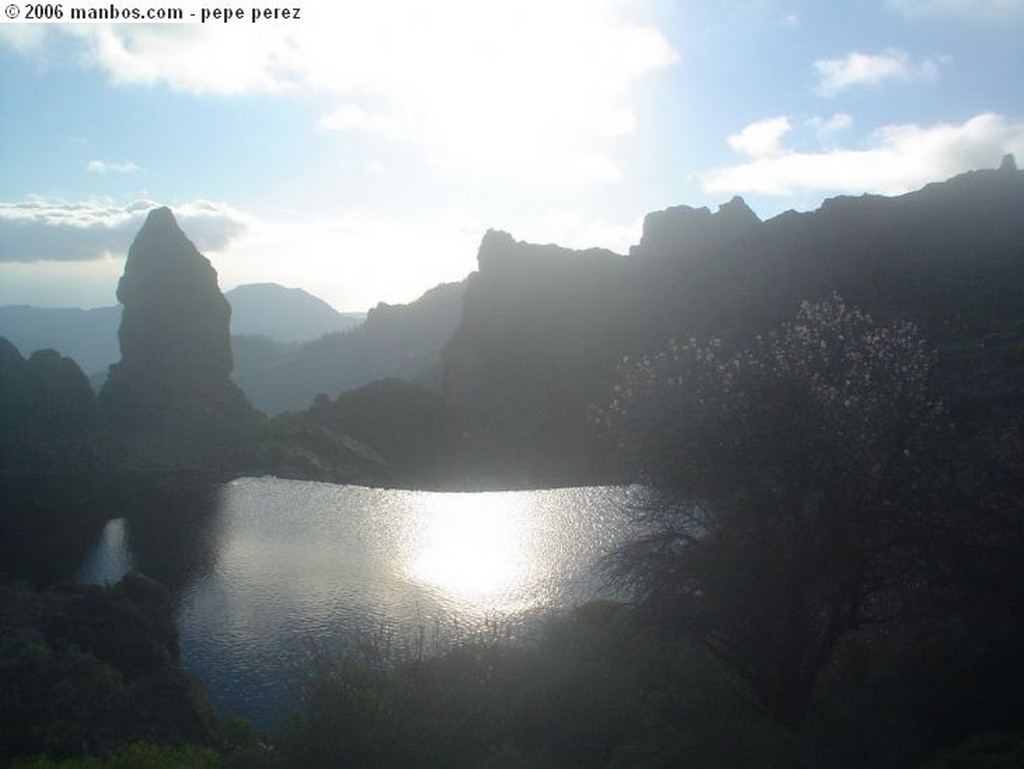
<point x="288" y="315"/>
<point x="401" y="341"/>
<point x="285" y="314"/>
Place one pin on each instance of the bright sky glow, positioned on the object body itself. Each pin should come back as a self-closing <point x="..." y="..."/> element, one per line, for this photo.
<point x="361" y="152"/>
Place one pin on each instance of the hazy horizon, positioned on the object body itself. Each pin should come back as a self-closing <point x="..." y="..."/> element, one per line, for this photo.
<point x="360" y="153"/>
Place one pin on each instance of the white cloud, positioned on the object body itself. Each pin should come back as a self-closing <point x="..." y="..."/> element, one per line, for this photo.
<point x="976" y="10"/>
<point x="901" y="158"/>
<point x="25" y="39"/>
<point x="102" y="167"/>
<point x="41" y="229"/>
<point x="837" y="75"/>
<point x="761" y="139"/>
<point x="226" y="60"/>
<point x="535" y="89"/>
<point x="351" y="117"/>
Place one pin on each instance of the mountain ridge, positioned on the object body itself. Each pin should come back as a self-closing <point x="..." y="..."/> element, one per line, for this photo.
<point x="541" y="338"/>
<point x="527" y="346"/>
<point x="401" y="341"/>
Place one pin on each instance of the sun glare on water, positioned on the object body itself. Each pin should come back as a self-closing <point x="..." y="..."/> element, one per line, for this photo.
<point x="472" y="547"/>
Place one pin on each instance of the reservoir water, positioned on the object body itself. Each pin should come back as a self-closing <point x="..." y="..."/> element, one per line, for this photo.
<point x="265" y="569"/>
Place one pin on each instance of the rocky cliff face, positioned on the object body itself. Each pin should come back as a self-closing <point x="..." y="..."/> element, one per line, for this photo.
<point x="538" y="323"/>
<point x="683" y="229"/>
<point x="173" y="381"/>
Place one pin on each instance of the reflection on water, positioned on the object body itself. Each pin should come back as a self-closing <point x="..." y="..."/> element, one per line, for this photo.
<point x="177" y="539"/>
<point x="109" y="561"/>
<point x="173" y="538"/>
<point x="473" y="547"/>
<point x="269" y="566"/>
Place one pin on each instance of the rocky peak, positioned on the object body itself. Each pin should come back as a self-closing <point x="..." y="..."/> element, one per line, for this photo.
<point x="736" y="213"/>
<point x="683" y="229"/>
<point x="174" y="373"/>
<point x="175" y="324"/>
<point x="496" y="245"/>
<point x="1009" y="162"/>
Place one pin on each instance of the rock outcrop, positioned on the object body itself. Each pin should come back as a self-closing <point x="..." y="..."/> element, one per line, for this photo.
<point x="173" y="381"/>
<point x="538" y="324"/>
<point x="175" y="324"/>
<point x="682" y="229"/>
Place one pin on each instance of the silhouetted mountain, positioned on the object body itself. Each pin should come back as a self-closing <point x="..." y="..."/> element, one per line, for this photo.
<point x="171" y="391"/>
<point x="531" y="341"/>
<point x="175" y="325"/>
<point x="544" y="328"/>
<point x="522" y="367"/>
<point x="284" y="314"/>
<point x="400" y="341"/>
<point x="47" y="410"/>
<point x="682" y="229"/>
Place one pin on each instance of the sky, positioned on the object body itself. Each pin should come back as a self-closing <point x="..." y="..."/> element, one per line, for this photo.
<point x="361" y="151"/>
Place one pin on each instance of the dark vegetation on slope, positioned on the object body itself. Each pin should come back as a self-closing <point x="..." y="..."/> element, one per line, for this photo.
<point x="597" y="688"/>
<point x="87" y="669"/>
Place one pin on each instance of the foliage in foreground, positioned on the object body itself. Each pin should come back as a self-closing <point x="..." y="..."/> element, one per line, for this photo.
<point x="139" y="755"/>
<point x="986" y="751"/>
<point x="86" y="669"/>
<point x="593" y="690"/>
<point x="597" y="689"/>
<point x="790" y="486"/>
